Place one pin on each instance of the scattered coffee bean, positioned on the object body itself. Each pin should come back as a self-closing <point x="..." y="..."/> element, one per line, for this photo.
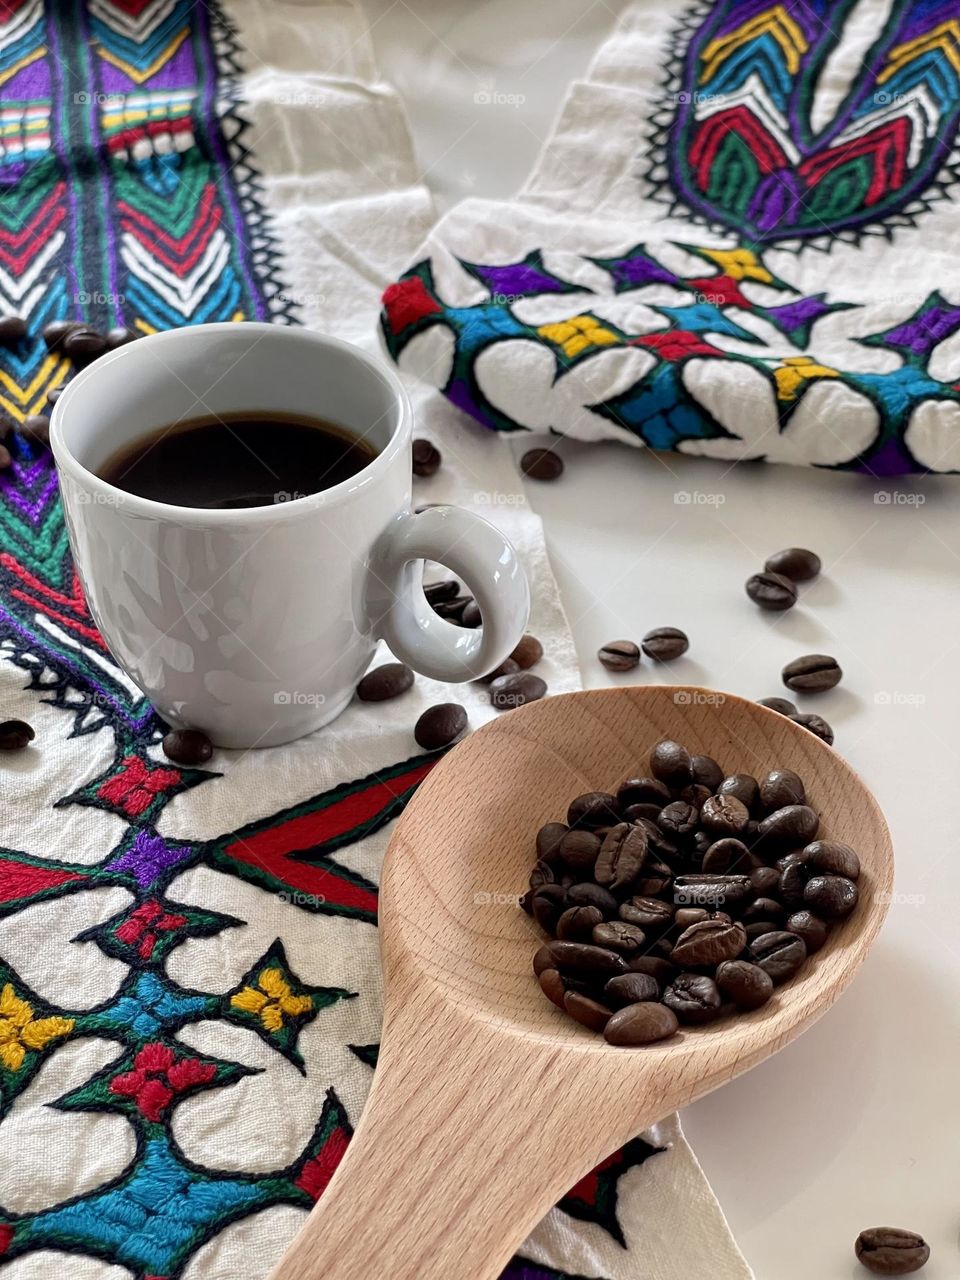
<point x="426" y="458"/>
<point x="743" y="787"/>
<point x="36" y="428"/>
<point x="664" y="644"/>
<point x="679" y="820"/>
<point x="592" y="895"/>
<point x="547" y="905"/>
<point x="640" y="1024"/>
<point x="706" y="772"/>
<point x="746" y="984"/>
<point x="778" y="953"/>
<point x="591" y="1013"/>
<point x="726" y="855"/>
<point x="709" y="943"/>
<point x="388" y="681"/>
<point x="671" y="764"/>
<point x="816" y="724"/>
<point x="15" y="735"/>
<point x="541" y="464"/>
<point x="764" y="880"/>
<point x="631" y="988"/>
<point x="830" y="857"/>
<point x="471" y="616"/>
<point x="542" y="960"/>
<point x="528" y="652"/>
<point x="55" y="333"/>
<point x="441" y="725"/>
<point x="783" y="705"/>
<point x="813" y="673"/>
<point x="788" y="827"/>
<point x="577" y="924"/>
<point x="891" y="1251"/>
<point x="593" y="809"/>
<point x="647" y="913"/>
<point x="551" y="984"/>
<point x="779" y="788"/>
<point x="579" y="851"/>
<point x="619" y="655"/>
<point x="581" y="960"/>
<point x="83" y="345"/>
<point x="438" y="592"/>
<point x="120" y="336"/>
<point x="622" y="855"/>
<point x="516" y="690"/>
<point x="506" y="668"/>
<point x="795" y="563"/>
<point x="643" y="791"/>
<point x="187" y="746"/>
<point x="694" y="998"/>
<point x="12" y="330"/>
<point x="548" y="841"/>
<point x="724" y="815"/>
<point x="810" y="928"/>
<point x="772" y="591"/>
<point x="617" y="935"/>
<point x="453" y="609"/>
<point x="831" y="897"/>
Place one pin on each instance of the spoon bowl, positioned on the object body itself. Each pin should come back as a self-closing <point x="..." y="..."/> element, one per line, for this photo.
<point x="488" y="1102"/>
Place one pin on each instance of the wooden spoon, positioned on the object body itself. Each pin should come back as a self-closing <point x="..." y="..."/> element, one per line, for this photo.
<point x="488" y="1104"/>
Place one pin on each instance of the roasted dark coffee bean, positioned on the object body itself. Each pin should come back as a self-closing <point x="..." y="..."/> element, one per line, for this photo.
<point x="547" y="905"/>
<point x="664" y="644"/>
<point x="715" y="892"/>
<point x="426" y="458"/>
<point x="437" y="592"/>
<point x="642" y="791"/>
<point x="831" y="857"/>
<point x="593" y="809"/>
<point x="631" y="988"/>
<point x="660" y="844"/>
<point x="831" y="897"/>
<point x="670" y="762"/>
<point x="891" y="1251"/>
<point x="771" y="591"/>
<point x="528" y="652"/>
<point x="36" y="427"/>
<point x="12" y="330"/>
<point x="551" y="984"/>
<point x="763" y="909"/>
<point x="647" y="913"/>
<point x="120" y="336"/>
<point x="622" y="854"/>
<point x="687" y="916"/>
<point x="653" y="879"/>
<point x="793" y="825"/>
<point x="778" y="953"/>
<point x="617" y="935"/>
<point x="548" y="841"/>
<point x="55" y="333"/>
<point x="795" y="563"/>
<point x="706" y="772"/>
<point x="54" y="394"/>
<point x="783" y="705"/>
<point x="724" y="815"/>
<point x="765" y="880"/>
<point x="15" y="735"/>
<point x="656" y="966"/>
<point x="84" y="345"/>
<point x="577" y="924"/>
<point x="781" y="787"/>
<point x="542" y="960"/>
<point x="541" y="874"/>
<point x="619" y="655"/>
<point x="813" y="673"/>
<point x="579" y="850"/>
<point x="693" y="998"/>
<point x="816" y="724"/>
<point x="640" y="812"/>
<point x="723" y="856"/>
<point x="441" y="725"/>
<point x="743" y="787"/>
<point x="640" y="1024"/>
<point x="582" y="960"/>
<point x="746" y="984"/>
<point x="679" y="820"/>
<point x="793" y="880"/>
<point x="590" y="1013"/>
<point x="516" y="690"/>
<point x="453" y="609"/>
<point x="187" y="746"/>
<point x="696" y="794"/>
<point x="810" y="928"/>
<point x="708" y="943"/>
<point x="587" y="894"/>
<point x="757" y="928"/>
<point x="506" y="668"/>
<point x="388" y="681"/>
<point x="541" y="464"/>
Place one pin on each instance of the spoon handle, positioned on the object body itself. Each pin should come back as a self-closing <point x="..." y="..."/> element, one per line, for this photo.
<point x="468" y="1138"/>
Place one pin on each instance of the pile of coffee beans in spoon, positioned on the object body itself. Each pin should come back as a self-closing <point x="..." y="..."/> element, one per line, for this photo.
<point x="687" y="895"/>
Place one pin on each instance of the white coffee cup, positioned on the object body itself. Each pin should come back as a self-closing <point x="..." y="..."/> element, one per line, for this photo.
<point x="255" y="624"/>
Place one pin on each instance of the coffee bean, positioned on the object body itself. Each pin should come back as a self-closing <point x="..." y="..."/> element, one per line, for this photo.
<point x="528" y="652"/>
<point x="55" y="333"/>
<point x="795" y="563"/>
<point x="708" y="943"/>
<point x="768" y="909"/>
<point x="591" y="1013"/>
<point x="765" y="880"/>
<point x="6" y="458"/>
<point x="619" y="655"/>
<point x="723" y="856"/>
<point x="437" y="592"/>
<point x="551" y="984"/>
<point x="617" y="935"/>
<point x="743" y="787"/>
<point x="687" y="916"/>
<point x="642" y="791"/>
<point x="789" y="826"/>
<point x="656" y="966"/>
<point x="542" y="960"/>
<point x="36" y="428"/>
<point x="388" y="681"/>
<point x="890" y="1251"/>
<point x="548" y="841"/>
<point x="471" y="616"/>
<point x="541" y="464"/>
<point x="453" y="609"/>
<point x="793" y="881"/>
<point x="724" y="815"/>
<point x="54" y="394"/>
<point x="593" y="809"/>
<point x="577" y="924"/>
<point x="706" y="772"/>
<point x="694" y="998"/>
<point x="586" y="894"/>
<point x="778" y="953"/>
<point x="83" y="345"/>
<point x="187" y="746"/>
<point x="637" y="812"/>
<point x="781" y="787"/>
<point x="757" y="928"/>
<point x="547" y="905"/>
<point x="670" y="762"/>
<point x="816" y="724"/>
<point x="813" y="673"/>
<point x="120" y="336"/>
<point x="831" y="897"/>
<point x="579" y="851"/>
<point x="783" y="705"/>
<point x="679" y="820"/>
<point x="582" y="960"/>
<point x="426" y="458"/>
<point x="506" y="668"/>
<point x="831" y="857"/>
<point x="713" y="891"/>
<point x="810" y="928"/>
<point x="640" y="1024"/>
<point x="646" y="913"/>
<point x="516" y="690"/>
<point x="654" y="878"/>
<point x="772" y="591"/>
<point x="746" y="984"/>
<point x="631" y="988"/>
<point x="440" y="725"/>
<point x="541" y="874"/>
<point x="622" y="854"/>
<point x="664" y="644"/>
<point x="15" y="735"/>
<point x="12" y="330"/>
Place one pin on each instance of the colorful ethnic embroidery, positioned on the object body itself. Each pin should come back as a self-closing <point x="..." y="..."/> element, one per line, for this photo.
<point x="739" y="143"/>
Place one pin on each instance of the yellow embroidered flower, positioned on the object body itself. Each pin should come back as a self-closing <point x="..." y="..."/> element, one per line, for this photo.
<point x="20" y="1030"/>
<point x="794" y="371"/>
<point x="739" y="264"/>
<point x="271" y="1000"/>
<point x="578" y="333"/>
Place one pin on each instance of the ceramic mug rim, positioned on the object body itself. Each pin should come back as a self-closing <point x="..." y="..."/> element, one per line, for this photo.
<point x="244" y="517"/>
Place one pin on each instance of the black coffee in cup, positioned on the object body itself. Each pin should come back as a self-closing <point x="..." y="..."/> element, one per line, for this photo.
<point x="237" y="460"/>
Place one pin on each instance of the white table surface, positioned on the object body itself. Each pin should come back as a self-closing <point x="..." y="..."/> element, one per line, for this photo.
<point x="856" y="1124"/>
